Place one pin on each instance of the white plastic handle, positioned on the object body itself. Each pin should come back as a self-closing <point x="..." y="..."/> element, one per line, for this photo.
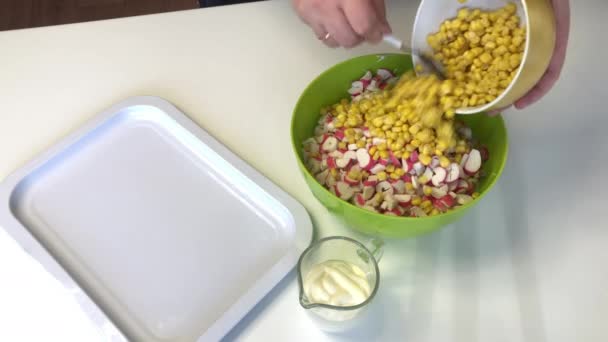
<point x="393" y="41"/>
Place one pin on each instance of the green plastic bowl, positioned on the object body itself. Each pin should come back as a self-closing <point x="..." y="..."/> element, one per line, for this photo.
<point x="329" y="88"/>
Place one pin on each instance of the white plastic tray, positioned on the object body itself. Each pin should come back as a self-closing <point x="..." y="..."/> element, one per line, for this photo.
<point x="159" y="230"/>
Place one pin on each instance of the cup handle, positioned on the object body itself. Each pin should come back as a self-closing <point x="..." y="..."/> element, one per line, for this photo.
<point x="376" y="247"/>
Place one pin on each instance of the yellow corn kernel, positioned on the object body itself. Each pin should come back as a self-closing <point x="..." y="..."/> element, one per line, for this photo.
<point x="415" y="143"/>
<point x="424" y="136"/>
<point x="390" y="168"/>
<point x="426" y="203"/>
<point x="517" y="40"/>
<point x="372" y="150"/>
<point x="475" y="195"/>
<point x="378" y="122"/>
<point x="382" y="176"/>
<point x="463" y="14"/>
<point x="398" y="154"/>
<point x="434" y="212"/>
<point x="395" y="176"/>
<point x="442" y="145"/>
<point x="499" y="51"/>
<point x="389" y="120"/>
<point x="416" y="200"/>
<point x="381" y="147"/>
<point x="444" y="162"/>
<point x="490" y="46"/>
<point x="342" y="145"/>
<point x="334" y="172"/>
<point x="423" y="179"/>
<point x="425" y="159"/>
<point x="427" y="149"/>
<point x="486" y="58"/>
<point x="384" y="154"/>
<point x="396" y="147"/>
<point x="414" y="129"/>
<point x="364" y="105"/>
<point x="361" y="143"/>
<point x="409" y="187"/>
<point x="473" y="100"/>
<point x="427" y="190"/>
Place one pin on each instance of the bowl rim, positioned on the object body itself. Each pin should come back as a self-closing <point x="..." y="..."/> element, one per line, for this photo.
<point x="303" y="168"/>
<point x="485" y="107"/>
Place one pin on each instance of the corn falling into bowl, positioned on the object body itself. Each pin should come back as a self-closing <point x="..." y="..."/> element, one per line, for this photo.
<point x="395" y="148"/>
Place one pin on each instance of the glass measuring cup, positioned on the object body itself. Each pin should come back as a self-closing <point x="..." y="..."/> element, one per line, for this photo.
<point x="340" y="248"/>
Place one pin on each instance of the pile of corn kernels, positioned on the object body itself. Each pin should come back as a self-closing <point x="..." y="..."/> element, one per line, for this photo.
<point x="395" y="147"/>
<point x="481" y="52"/>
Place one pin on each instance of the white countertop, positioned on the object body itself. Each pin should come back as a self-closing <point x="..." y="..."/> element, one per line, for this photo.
<point x="528" y="264"/>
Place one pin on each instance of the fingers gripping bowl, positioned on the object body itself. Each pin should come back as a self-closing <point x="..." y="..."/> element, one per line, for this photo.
<point x="331" y="87"/>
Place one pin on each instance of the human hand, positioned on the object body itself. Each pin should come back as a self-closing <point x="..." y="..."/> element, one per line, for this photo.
<point x="344" y="23"/>
<point x="562" y="21"/>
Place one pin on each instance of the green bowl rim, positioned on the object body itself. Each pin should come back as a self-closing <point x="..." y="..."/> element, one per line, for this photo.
<point x="379" y="215"/>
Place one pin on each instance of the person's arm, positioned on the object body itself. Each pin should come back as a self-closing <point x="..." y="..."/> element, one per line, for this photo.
<point x="344" y="23"/>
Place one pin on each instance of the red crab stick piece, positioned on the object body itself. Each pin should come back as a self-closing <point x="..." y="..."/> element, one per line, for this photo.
<point x="403" y="200"/>
<point x="364" y="159"/>
<point x="330" y="144"/>
<point x="384" y="74"/>
<point x="473" y="163"/>
<point x="344" y="191"/>
<point x="453" y="173"/>
<point x="439" y="176"/>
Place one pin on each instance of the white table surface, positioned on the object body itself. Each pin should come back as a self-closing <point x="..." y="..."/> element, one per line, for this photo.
<point x="528" y="264"/>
